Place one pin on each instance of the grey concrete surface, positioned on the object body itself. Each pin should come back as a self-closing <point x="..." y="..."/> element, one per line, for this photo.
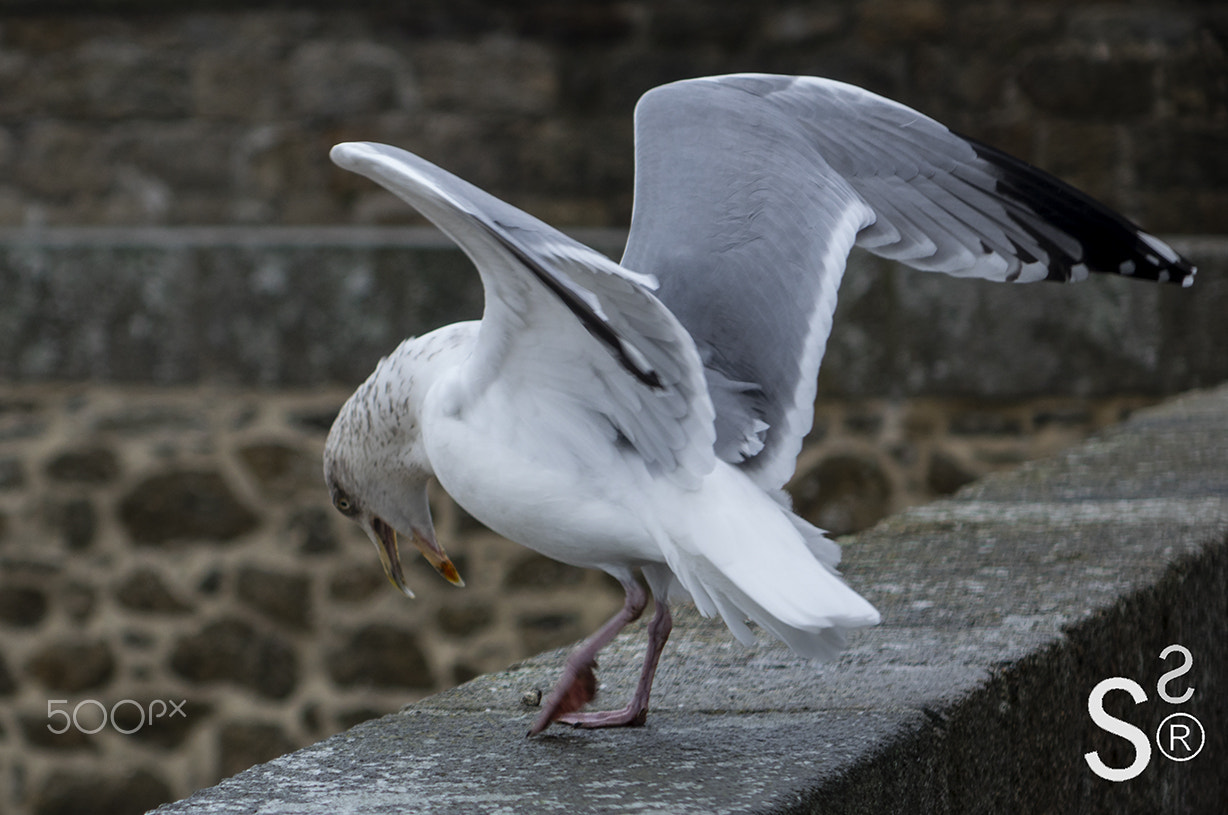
<point x="1003" y="607"/>
<point x="294" y="306"/>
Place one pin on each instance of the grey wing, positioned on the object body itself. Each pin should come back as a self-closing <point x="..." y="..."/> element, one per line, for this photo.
<point x="563" y="323"/>
<point x="750" y="191"/>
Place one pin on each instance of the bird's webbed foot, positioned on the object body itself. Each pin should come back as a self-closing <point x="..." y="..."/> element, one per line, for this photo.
<point x="633" y="715"/>
<point x="576" y="689"/>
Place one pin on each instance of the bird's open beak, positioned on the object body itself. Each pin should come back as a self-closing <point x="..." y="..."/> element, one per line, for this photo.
<point x="390" y="555"/>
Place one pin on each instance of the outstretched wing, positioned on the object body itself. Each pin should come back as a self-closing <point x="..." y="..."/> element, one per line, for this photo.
<point x="564" y="325"/>
<point x="750" y="191"/>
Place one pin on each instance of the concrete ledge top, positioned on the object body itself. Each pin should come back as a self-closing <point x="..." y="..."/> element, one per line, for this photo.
<point x="1003" y="607"/>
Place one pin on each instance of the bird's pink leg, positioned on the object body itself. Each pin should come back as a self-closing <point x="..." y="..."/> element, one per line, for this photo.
<point x="635" y="713"/>
<point x="578" y="684"/>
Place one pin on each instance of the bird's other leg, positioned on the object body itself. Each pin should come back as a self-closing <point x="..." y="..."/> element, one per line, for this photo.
<point x="635" y="713"/>
<point x="578" y="685"/>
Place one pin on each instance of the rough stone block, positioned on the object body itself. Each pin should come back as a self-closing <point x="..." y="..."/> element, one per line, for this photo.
<point x="1082" y="87"/>
<point x="242" y="744"/>
<point x="234" y="84"/>
<point x="313" y="527"/>
<point x="75" y="520"/>
<point x="355" y="583"/>
<point x="184" y="506"/>
<point x="87" y="465"/>
<point x="144" y="590"/>
<point x="22" y="606"/>
<point x="282" y="597"/>
<point x="946" y="474"/>
<point x="12" y="474"/>
<point x="8" y="685"/>
<point x="339" y="78"/>
<point x="131" y="793"/>
<point x="534" y="571"/>
<point x="380" y="656"/>
<point x="233" y="650"/>
<point x="280" y="468"/>
<point x="72" y="665"/>
<point x="842" y="493"/>
<point x="464" y="621"/>
<point x="550" y="630"/>
<point x="515" y="76"/>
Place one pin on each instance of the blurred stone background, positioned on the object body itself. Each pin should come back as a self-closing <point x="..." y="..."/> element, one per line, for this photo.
<point x="189" y="290"/>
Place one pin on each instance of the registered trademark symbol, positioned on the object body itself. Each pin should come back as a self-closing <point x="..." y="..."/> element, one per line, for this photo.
<point x="1180" y="737"/>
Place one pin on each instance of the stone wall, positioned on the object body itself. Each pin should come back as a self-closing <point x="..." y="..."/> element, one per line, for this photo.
<point x="140" y="115"/>
<point x="176" y="545"/>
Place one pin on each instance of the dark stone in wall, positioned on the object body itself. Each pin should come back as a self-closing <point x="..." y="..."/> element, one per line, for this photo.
<point x="22" y="606"/>
<point x="76" y="521"/>
<point x="67" y="793"/>
<point x="35" y="733"/>
<point x="540" y="632"/>
<point x="284" y="598"/>
<point x="79" y="600"/>
<point x="534" y="571"/>
<point x="1062" y="417"/>
<point x="316" y="421"/>
<point x="72" y="666"/>
<point x="381" y="656"/>
<point x="281" y="469"/>
<point x="462" y="673"/>
<point x="464" y="621"/>
<point x="12" y="475"/>
<point x="1082" y="87"/>
<point x="243" y="744"/>
<point x="167" y="726"/>
<point x="143" y="590"/>
<point x="357" y="583"/>
<point x="93" y="465"/>
<point x="346" y="719"/>
<point x="314" y="529"/>
<point x="234" y="651"/>
<point x="985" y="423"/>
<point x="947" y="474"/>
<point x="184" y="505"/>
<point x="8" y="686"/>
<point x="843" y="494"/>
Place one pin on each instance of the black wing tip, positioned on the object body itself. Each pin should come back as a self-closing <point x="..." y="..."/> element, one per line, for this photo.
<point x="1160" y="262"/>
<point x="1111" y="243"/>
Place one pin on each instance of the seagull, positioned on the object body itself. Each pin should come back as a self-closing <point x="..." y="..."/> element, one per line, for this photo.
<point x="642" y="417"/>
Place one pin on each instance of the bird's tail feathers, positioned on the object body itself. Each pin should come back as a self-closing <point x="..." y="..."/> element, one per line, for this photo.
<point x="826" y="550"/>
<point x="753" y="559"/>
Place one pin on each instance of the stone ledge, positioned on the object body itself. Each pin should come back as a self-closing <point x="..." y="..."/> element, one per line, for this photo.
<point x="1002" y="607"/>
<point x="295" y="306"/>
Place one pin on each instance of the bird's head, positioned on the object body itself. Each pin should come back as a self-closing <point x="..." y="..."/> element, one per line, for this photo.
<point x="377" y="475"/>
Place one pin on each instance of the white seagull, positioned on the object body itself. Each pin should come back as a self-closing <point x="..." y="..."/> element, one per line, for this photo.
<point x="643" y="416"/>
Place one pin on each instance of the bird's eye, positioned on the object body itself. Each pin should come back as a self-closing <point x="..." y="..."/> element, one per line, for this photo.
<point x="344" y="505"/>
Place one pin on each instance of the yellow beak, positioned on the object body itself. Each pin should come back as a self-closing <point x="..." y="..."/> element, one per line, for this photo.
<point x="390" y="555"/>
